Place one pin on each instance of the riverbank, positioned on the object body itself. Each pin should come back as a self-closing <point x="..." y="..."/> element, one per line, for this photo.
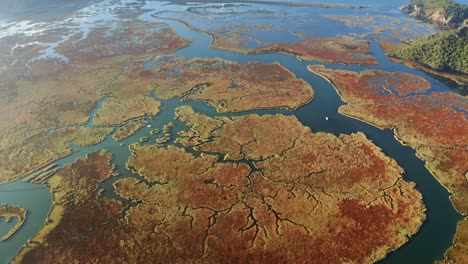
<point x="420" y="153"/>
<point x="461" y="79"/>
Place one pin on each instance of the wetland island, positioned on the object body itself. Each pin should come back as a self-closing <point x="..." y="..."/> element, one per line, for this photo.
<point x="233" y="132"/>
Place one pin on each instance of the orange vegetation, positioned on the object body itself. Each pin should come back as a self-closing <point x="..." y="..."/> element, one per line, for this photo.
<point x="56" y="95"/>
<point x="51" y="94"/>
<point x="313" y="198"/>
<point x="129" y="39"/>
<point x="461" y="79"/>
<point x="77" y="213"/>
<point x="42" y="148"/>
<point x="436" y="125"/>
<point x="344" y="49"/>
<point x="115" y="112"/>
<point x="459" y="252"/>
<point x="129" y="129"/>
<point x="391" y="46"/>
<point x="226" y="85"/>
<point x="295" y="164"/>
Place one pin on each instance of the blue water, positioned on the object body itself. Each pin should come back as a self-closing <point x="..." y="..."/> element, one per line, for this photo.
<point x="426" y="246"/>
<point x="33" y="197"/>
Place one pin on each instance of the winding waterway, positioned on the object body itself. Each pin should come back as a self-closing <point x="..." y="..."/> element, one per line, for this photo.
<point x="427" y="246"/>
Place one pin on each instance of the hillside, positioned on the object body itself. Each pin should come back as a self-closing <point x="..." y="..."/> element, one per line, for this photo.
<point x="444" y="13"/>
<point x="444" y="54"/>
<point x="446" y="51"/>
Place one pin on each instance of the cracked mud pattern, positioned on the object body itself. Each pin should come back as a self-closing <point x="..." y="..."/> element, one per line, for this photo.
<point x="277" y="193"/>
<point x="226" y="85"/>
<point x="289" y="200"/>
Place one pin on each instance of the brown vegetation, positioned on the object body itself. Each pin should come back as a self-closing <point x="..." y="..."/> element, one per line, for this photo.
<point x="461" y="79"/>
<point x="50" y="94"/>
<point x="391" y="46"/>
<point x="43" y="148"/>
<point x="432" y="124"/>
<point x="341" y="197"/>
<point x="344" y="49"/>
<point x="458" y="253"/>
<point x="9" y="212"/>
<point x="81" y="136"/>
<point x="226" y="85"/>
<point x="435" y="125"/>
<point x="116" y="111"/>
<point x="287" y="153"/>
<point x="339" y="49"/>
<point x="131" y="38"/>
<point x="129" y="129"/>
<point x="77" y="214"/>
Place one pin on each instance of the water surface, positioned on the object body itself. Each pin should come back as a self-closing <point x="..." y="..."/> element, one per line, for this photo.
<point x="426" y="246"/>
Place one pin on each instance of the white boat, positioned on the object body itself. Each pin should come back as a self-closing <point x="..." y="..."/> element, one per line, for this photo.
<point x="326" y="118"/>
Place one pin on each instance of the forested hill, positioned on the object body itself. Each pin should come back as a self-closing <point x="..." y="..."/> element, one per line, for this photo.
<point x="444" y="13"/>
<point x="446" y="51"/>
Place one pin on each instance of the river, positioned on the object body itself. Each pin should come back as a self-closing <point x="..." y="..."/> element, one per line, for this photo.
<point x="427" y="246"/>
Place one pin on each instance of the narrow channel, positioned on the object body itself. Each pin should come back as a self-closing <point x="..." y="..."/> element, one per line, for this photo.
<point x="427" y="246"/>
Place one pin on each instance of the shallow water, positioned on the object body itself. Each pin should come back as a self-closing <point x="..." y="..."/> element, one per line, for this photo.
<point x="34" y="198"/>
<point x="426" y="246"/>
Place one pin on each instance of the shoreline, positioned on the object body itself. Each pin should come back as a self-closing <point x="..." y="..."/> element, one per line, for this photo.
<point x="215" y="104"/>
<point x="460" y="80"/>
<point x="300" y="57"/>
<point x="280" y="3"/>
<point x="54" y="216"/>
<point x="54" y="210"/>
<point x="395" y="135"/>
<point x="464" y="216"/>
<point x="21" y="215"/>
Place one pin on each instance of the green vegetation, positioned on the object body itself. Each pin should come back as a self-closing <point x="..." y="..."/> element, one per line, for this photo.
<point x="452" y="9"/>
<point x="446" y="51"/>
